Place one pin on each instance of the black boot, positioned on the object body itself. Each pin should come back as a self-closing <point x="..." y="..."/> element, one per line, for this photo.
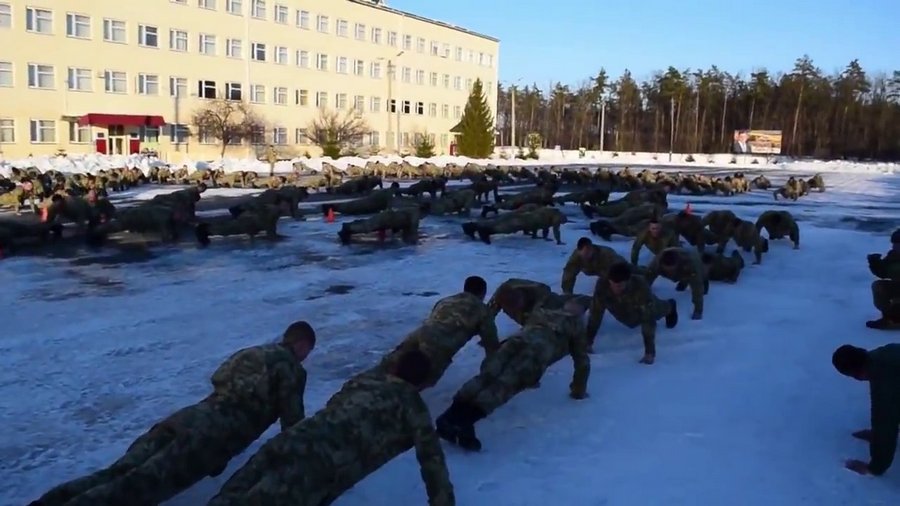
<point x="470" y="228"/>
<point x="484" y="235"/>
<point x="588" y="211"/>
<point x="466" y="438"/>
<point x="672" y="317"/>
<point x="344" y="235"/>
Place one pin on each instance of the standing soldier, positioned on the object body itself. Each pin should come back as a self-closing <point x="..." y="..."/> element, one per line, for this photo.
<point x="778" y="224"/>
<point x="252" y="389"/>
<point x="271" y="158"/>
<point x="886" y="290"/>
<point x="452" y="323"/>
<point x="684" y="267"/>
<point x="548" y="336"/>
<point x="656" y="238"/>
<point x="631" y="301"/>
<point x="373" y="419"/>
<point x="590" y="259"/>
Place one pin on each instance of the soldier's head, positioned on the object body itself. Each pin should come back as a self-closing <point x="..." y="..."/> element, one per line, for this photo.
<point x="413" y="367"/>
<point x="668" y="260"/>
<point x="300" y="338"/>
<point x="511" y="301"/>
<point x="851" y="361"/>
<point x="575" y="307"/>
<point x="654" y="227"/>
<point x="895" y="240"/>
<point x="618" y="276"/>
<point x="201" y="187"/>
<point x="583" y="247"/>
<point x="476" y="285"/>
<point x="91" y="196"/>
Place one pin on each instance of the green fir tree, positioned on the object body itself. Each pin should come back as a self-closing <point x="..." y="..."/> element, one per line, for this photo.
<point x="476" y="128"/>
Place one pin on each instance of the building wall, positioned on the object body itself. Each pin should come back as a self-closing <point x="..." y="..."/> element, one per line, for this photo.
<point x="437" y="65"/>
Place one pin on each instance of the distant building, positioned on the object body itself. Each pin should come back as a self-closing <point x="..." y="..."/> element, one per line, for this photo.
<point x="120" y="77"/>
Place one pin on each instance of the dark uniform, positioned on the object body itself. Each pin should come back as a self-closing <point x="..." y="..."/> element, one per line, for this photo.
<point x="598" y="262"/>
<point x="688" y="271"/>
<point x="723" y="268"/>
<point x="405" y="220"/>
<point x="778" y="224"/>
<point x="886" y="290"/>
<point x="667" y="238"/>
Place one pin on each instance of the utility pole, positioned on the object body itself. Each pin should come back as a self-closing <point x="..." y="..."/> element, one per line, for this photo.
<point x="602" y="122"/>
<point x="513" y="133"/>
<point x="672" y="125"/>
<point x="390" y="96"/>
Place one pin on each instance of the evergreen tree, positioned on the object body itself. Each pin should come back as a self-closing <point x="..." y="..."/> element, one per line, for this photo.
<point x="476" y="128"/>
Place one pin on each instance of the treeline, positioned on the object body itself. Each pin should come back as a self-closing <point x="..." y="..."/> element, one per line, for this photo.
<point x="847" y="115"/>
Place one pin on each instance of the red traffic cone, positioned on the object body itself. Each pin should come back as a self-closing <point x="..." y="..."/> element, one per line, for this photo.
<point x="44" y="213"/>
<point x="688" y="209"/>
<point x="329" y="218"/>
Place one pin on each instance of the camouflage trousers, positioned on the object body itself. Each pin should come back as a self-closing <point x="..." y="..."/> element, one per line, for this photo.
<point x="518" y="365"/>
<point x="385" y="220"/>
<point x="646" y="319"/>
<point x="611" y="209"/>
<point x="886" y="296"/>
<point x="362" y="206"/>
<point x="249" y="223"/>
<point x="430" y="339"/>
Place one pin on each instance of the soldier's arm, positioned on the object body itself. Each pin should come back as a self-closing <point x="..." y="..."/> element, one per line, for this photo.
<point x="707" y="219"/>
<point x="291" y="387"/>
<point x="488" y="332"/>
<point x="570" y="272"/>
<point x="595" y="314"/>
<point x="885" y="420"/>
<point x="492" y="305"/>
<point x="652" y="271"/>
<point x="430" y="455"/>
<point x="891" y="269"/>
<point x="636" y="248"/>
<point x="761" y="221"/>
<point x="795" y="234"/>
<point x="697" y="289"/>
<point x="578" y="349"/>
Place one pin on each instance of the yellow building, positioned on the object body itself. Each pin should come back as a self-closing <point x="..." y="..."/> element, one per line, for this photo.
<point x="126" y="76"/>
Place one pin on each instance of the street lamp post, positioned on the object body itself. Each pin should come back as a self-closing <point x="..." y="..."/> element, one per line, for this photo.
<point x="671" y="127"/>
<point x="512" y="90"/>
<point x="391" y="73"/>
<point x="601" y="121"/>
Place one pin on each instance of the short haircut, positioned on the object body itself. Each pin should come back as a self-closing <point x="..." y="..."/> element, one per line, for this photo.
<point x="584" y="242"/>
<point x="299" y="331"/>
<point x="475" y="285"/>
<point x="413" y="367"/>
<point x="619" y="272"/>
<point x="849" y="360"/>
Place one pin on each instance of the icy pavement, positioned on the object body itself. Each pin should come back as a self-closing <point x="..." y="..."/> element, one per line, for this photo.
<point x="741" y="408"/>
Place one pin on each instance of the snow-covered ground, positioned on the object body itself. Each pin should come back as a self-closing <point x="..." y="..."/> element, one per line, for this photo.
<point x="741" y="408"/>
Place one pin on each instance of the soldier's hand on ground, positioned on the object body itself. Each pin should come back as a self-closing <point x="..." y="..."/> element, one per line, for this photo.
<point x="865" y="435"/>
<point x="697" y="315"/>
<point x="648" y="359"/>
<point x="857" y="466"/>
<point x="578" y="395"/>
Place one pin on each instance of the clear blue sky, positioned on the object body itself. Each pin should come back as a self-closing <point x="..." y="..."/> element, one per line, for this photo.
<point x="568" y="40"/>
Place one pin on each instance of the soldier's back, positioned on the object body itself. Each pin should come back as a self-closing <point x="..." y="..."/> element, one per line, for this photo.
<point x="462" y="310"/>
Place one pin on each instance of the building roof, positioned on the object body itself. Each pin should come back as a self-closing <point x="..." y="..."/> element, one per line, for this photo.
<point x="369" y="3"/>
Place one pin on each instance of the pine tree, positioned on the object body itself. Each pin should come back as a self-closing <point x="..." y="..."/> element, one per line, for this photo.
<point x="476" y="128"/>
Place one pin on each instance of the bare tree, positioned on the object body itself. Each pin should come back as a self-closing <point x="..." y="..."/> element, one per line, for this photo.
<point x="228" y="121"/>
<point x="333" y="131"/>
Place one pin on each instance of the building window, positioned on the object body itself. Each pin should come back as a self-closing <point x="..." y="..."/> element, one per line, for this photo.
<point x="322" y="99"/>
<point x="258" y="9"/>
<point x="359" y="31"/>
<point x="471" y="56"/>
<point x="435" y="48"/>
<point x="434" y="78"/>
<point x="445" y="111"/>
<point x="79" y="79"/>
<point x="457" y="83"/>
<point x="375" y="70"/>
<point x="177" y="86"/>
<point x="303" y="59"/>
<point x="281" y="55"/>
<point x="41" y="76"/>
<point x="359" y="103"/>
<point x="43" y="131"/>
<point x="301" y="97"/>
<point x="281" y="95"/>
<point x="375" y="104"/>
<point x="374" y="139"/>
<point x="392" y="105"/>
<point x="258" y="94"/>
<point x="233" y="91"/>
<point x="407" y="74"/>
<point x="114" y="31"/>
<point x="420" y="77"/>
<point x="457" y="112"/>
<point x="420" y="45"/>
<point x="281" y="14"/>
<point x="407" y="42"/>
<point x="340" y="28"/>
<point x="469" y="86"/>
<point x="300" y="136"/>
<point x="178" y="134"/>
<point x="341" y="65"/>
<point x="445" y="51"/>
<point x="207" y="44"/>
<point x="78" y="26"/>
<point x="206" y="89"/>
<point x="206" y="4"/>
<point x="279" y="136"/>
<point x="234" y="48"/>
<point x="5" y="16"/>
<point x="303" y="19"/>
<point x="206" y="137"/>
<point x="178" y="40"/>
<point x="405" y="139"/>
<point x="235" y="7"/>
<point x="376" y="35"/>
<point x="420" y="108"/>
<point x="38" y="20"/>
<point x="359" y="67"/>
<point x="179" y="2"/>
<point x="446" y="80"/>
<point x="148" y="36"/>
<point x="459" y="54"/>
<point x="149" y="134"/>
<point x="490" y="58"/>
<point x="7" y="131"/>
<point x="115" y="82"/>
<point x="407" y="107"/>
<point x="322" y="23"/>
<point x="258" y="51"/>
<point x="392" y="39"/>
<point x="432" y="110"/>
<point x="79" y="134"/>
<point x="340" y="101"/>
<point x="322" y="61"/>
<point x="6" y="74"/>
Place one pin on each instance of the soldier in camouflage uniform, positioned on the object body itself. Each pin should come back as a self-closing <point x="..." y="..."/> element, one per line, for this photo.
<point x="16" y="197"/>
<point x="143" y="219"/>
<point x="790" y="190"/>
<point x="747" y="237"/>
<point x="543" y="195"/>
<point x="430" y="185"/>
<point x="271" y="159"/>
<point x="723" y="268"/>
<point x="630" y="223"/>
<point x="590" y="259"/>
<point x="655" y="237"/>
<point x="689" y="226"/>
<point x="528" y="222"/>
<point x="778" y="224"/>
<point x="547" y="337"/>
<point x="817" y="182"/>
<point x="631" y="301"/>
<point x="684" y="267"/>
<point x="534" y="294"/>
<point x="183" y="202"/>
<point x="370" y="421"/>
<point x="376" y="201"/>
<point x="286" y="199"/>
<point x="545" y="219"/>
<point x="405" y="221"/>
<point x="72" y="210"/>
<point x="459" y="201"/>
<point x="252" y="389"/>
<point x="452" y="323"/>
<point x="886" y="289"/>
<point x="251" y="223"/>
<point x="594" y="197"/>
<point x="721" y="224"/>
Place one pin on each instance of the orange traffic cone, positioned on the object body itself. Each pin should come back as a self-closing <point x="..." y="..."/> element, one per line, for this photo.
<point x="44" y="213"/>
<point x="688" y="209"/>
<point x="329" y="218"/>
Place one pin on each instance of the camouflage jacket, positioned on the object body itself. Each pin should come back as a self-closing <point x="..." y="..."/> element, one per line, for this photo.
<point x="884" y="390"/>
<point x="632" y="307"/>
<point x="555" y="334"/>
<point x="689" y="270"/>
<point x="465" y="311"/>
<point x="601" y="259"/>
<point x="267" y="381"/>
<point x="534" y="292"/>
<point x="787" y="225"/>
<point x="719" y="222"/>
<point x="667" y="238"/>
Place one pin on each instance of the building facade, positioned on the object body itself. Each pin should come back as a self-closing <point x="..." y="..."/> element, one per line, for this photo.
<point x="123" y="77"/>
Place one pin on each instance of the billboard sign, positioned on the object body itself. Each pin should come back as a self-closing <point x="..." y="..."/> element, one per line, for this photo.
<point x="757" y="142"/>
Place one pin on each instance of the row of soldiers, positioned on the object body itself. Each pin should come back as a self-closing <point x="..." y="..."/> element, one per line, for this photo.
<point x="379" y="414"/>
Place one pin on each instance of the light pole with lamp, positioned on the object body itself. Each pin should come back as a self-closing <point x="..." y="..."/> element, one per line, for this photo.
<point x="601" y="120"/>
<point x="512" y="89"/>
<point x="391" y="74"/>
